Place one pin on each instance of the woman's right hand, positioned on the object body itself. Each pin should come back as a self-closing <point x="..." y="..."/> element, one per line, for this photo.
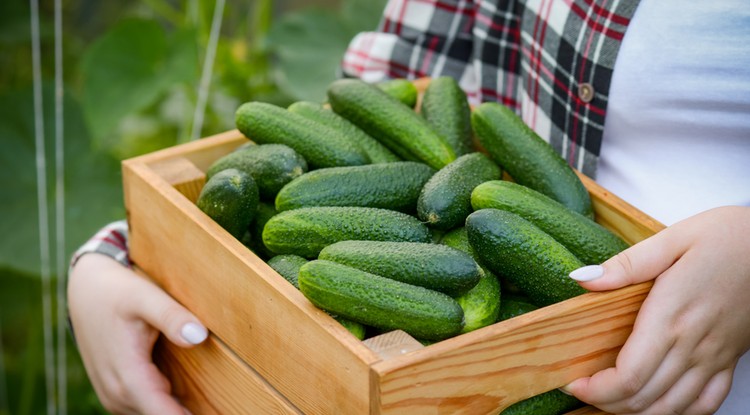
<point x="117" y="316"/>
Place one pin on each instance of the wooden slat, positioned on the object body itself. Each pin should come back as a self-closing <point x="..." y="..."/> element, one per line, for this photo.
<point x="300" y="350"/>
<point x="210" y="379"/>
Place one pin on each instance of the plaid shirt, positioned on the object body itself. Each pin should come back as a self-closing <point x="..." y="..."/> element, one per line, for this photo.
<point x="550" y="60"/>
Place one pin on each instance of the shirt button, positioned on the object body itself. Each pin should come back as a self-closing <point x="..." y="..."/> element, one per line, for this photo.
<point x="585" y="92"/>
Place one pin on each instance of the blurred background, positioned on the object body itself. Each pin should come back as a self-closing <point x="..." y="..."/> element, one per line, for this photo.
<point x="131" y="75"/>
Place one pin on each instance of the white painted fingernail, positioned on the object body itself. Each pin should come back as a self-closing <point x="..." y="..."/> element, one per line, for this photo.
<point x="587" y="273"/>
<point x="564" y="390"/>
<point x="194" y="333"/>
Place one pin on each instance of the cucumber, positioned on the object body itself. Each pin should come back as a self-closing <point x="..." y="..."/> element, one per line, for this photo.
<point x="482" y="303"/>
<point x="321" y="146"/>
<point x="393" y="186"/>
<point x="401" y="89"/>
<point x="524" y="254"/>
<point x="265" y="212"/>
<point x="528" y="159"/>
<point x="514" y="306"/>
<point x="271" y="166"/>
<point x="586" y="239"/>
<point x="288" y="267"/>
<point x="305" y="231"/>
<point x="231" y="199"/>
<point x="314" y="111"/>
<point x="552" y="402"/>
<point x="380" y="302"/>
<point x="397" y="126"/>
<point x="446" y="108"/>
<point x="437" y="267"/>
<point x="445" y="200"/>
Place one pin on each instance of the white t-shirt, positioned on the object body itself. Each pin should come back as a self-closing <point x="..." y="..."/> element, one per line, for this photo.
<point x="677" y="133"/>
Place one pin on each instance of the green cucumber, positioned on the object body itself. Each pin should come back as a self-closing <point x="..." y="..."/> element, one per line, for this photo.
<point x="321" y="146"/>
<point x="305" y="231"/>
<point x="393" y="186"/>
<point x="396" y="125"/>
<point x="553" y="402"/>
<point x="288" y="267"/>
<point x="271" y="166"/>
<point x="377" y="152"/>
<point x="514" y="306"/>
<point x="437" y="267"/>
<point x="380" y="302"/>
<point x="446" y="108"/>
<point x="265" y="212"/>
<point x="231" y="199"/>
<point x="401" y="89"/>
<point x="482" y="303"/>
<point x="445" y="200"/>
<point x="586" y="239"/>
<point x="528" y="159"/>
<point x="524" y="254"/>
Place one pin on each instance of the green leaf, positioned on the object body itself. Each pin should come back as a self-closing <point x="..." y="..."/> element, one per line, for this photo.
<point x="362" y="15"/>
<point x="309" y="45"/>
<point x="93" y="184"/>
<point x="131" y="67"/>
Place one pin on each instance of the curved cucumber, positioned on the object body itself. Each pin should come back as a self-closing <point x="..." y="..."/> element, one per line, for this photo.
<point x="528" y="159"/>
<point x="401" y="89"/>
<point x="524" y="254"/>
<point x="320" y="145"/>
<point x="586" y="239"/>
<point x="437" y="267"/>
<point x="231" y="199"/>
<point x="445" y="107"/>
<point x="393" y="186"/>
<point x="380" y="302"/>
<point x="397" y="126"/>
<point x="445" y="200"/>
<point x="314" y="111"/>
<point x="305" y="231"/>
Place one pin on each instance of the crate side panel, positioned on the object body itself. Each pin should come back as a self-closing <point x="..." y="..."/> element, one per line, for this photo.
<point x="210" y="379"/>
<point x="267" y="322"/>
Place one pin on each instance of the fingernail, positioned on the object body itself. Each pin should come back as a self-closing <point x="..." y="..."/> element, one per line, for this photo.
<point x="194" y="333"/>
<point x="565" y="390"/>
<point x="587" y="273"/>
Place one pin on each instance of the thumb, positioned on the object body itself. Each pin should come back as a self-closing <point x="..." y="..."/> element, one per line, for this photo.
<point x="168" y="316"/>
<point x="641" y="262"/>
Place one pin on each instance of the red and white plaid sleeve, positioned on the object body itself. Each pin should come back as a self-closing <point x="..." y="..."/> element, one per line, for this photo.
<point x="111" y="240"/>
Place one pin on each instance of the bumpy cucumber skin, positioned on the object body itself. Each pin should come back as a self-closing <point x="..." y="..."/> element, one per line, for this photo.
<point x="586" y="239"/>
<point x="446" y="108"/>
<point x="524" y="254"/>
<point x="288" y="267"/>
<point x="393" y="186"/>
<point x="401" y="89"/>
<point x="271" y="166"/>
<point x="482" y="303"/>
<point x="380" y="302"/>
<point x="314" y="111"/>
<point x="321" y="146"/>
<point x="397" y="126"/>
<point x="513" y="307"/>
<point x="305" y="231"/>
<point x="553" y="402"/>
<point x="528" y="159"/>
<point x="436" y="267"/>
<point x="231" y="199"/>
<point x="265" y="212"/>
<point x="445" y="200"/>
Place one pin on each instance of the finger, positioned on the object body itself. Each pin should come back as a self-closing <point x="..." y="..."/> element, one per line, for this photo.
<point x="712" y="395"/>
<point x="153" y="393"/>
<point x="681" y="395"/>
<point x="168" y="316"/>
<point x="641" y="262"/>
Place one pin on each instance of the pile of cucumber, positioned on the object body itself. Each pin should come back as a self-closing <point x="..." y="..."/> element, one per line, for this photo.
<point x="392" y="218"/>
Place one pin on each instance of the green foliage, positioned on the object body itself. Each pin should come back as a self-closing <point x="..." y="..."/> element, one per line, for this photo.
<point x="131" y="75"/>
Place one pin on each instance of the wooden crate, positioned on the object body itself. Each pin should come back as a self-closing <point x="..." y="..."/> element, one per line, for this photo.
<point x="272" y="351"/>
